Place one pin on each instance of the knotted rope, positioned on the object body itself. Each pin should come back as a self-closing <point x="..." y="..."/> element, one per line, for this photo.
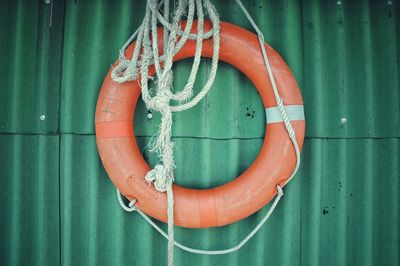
<point x="145" y="54"/>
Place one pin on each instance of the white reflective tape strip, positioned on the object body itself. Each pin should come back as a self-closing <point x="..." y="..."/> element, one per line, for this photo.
<point x="294" y="112"/>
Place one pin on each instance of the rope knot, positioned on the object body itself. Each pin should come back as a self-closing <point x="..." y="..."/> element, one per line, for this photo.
<point x="160" y="178"/>
<point x="161" y="103"/>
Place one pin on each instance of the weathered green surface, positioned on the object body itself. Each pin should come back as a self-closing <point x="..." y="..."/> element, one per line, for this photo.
<point x="30" y="54"/>
<point x="58" y="205"/>
<point x="351" y="68"/>
<point x="29" y="200"/>
<point x="94" y="224"/>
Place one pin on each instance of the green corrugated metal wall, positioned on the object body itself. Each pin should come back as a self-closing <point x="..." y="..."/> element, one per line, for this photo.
<point x="57" y="205"/>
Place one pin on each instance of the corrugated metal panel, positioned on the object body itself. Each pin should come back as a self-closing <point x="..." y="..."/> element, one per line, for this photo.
<point x="233" y="96"/>
<point x="351" y="68"/>
<point x="29" y="200"/>
<point x="30" y="52"/>
<point x="330" y="215"/>
<point x="350" y="202"/>
<point x="347" y="57"/>
<point x="94" y="224"/>
<point x="59" y="207"/>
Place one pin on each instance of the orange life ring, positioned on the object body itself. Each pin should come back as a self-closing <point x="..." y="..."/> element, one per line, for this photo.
<point x="227" y="203"/>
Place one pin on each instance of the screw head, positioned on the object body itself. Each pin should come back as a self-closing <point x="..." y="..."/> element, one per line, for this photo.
<point x="339" y="2"/>
<point x="390" y="2"/>
<point x="343" y="120"/>
<point x="42" y="117"/>
<point x="149" y="115"/>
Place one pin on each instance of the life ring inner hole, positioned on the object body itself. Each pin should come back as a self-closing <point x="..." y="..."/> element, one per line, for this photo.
<point x="215" y="141"/>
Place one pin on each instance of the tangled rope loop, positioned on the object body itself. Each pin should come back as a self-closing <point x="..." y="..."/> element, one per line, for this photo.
<point x="145" y="54"/>
<point x="159" y="177"/>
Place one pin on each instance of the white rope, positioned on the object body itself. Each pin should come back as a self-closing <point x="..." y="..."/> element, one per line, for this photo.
<point x="278" y="99"/>
<point x="145" y="54"/>
<point x="202" y="251"/>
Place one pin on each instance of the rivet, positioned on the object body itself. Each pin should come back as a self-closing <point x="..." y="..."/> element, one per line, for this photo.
<point x="339" y="2"/>
<point x="149" y="115"/>
<point x="390" y="3"/>
<point x="343" y="120"/>
<point x="42" y="117"/>
<point x="47" y="1"/>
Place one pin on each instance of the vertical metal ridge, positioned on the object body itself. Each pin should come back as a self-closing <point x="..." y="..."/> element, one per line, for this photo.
<point x="386" y="93"/>
<point x="16" y="85"/>
<point x="15" y="213"/>
<point x="28" y="71"/>
<point x="314" y="175"/>
<point x="27" y="197"/>
<point x="360" y="216"/>
<point x="41" y="66"/>
<point x="312" y="53"/>
<point x="68" y="73"/>
<point x="385" y="199"/>
<point x="92" y="202"/>
<point x="65" y="205"/>
<point x="41" y="194"/>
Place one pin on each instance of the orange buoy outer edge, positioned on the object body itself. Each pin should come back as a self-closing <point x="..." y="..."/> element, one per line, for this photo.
<point x="232" y="201"/>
